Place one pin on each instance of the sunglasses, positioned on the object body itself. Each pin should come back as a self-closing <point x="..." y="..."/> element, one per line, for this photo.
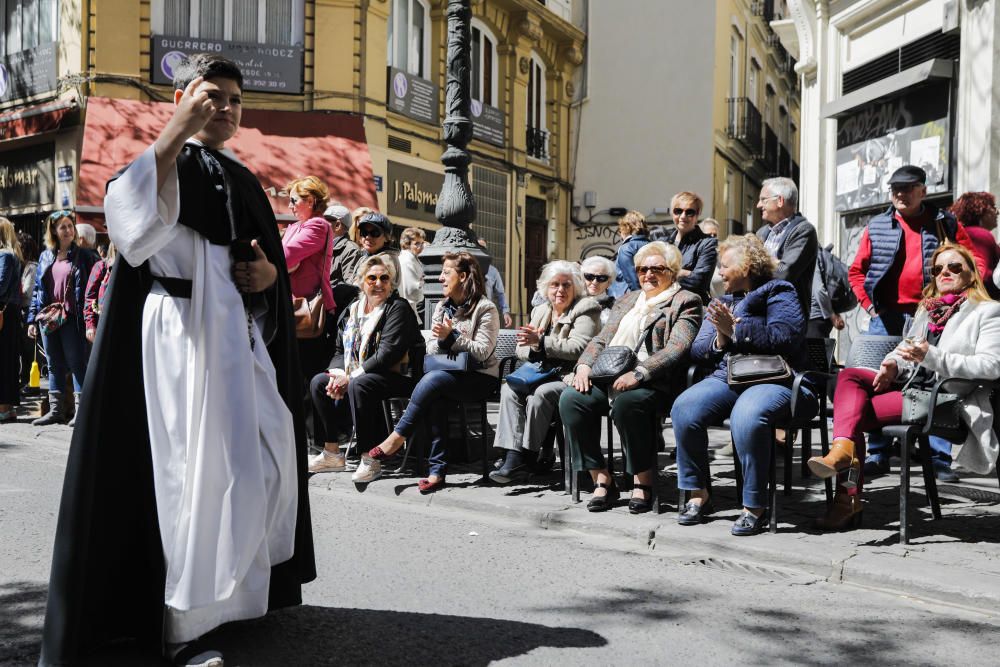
<point x="689" y="212"/>
<point x="954" y="268"/>
<point x="373" y="232"/>
<point x="65" y="213"/>
<point x="599" y="277"/>
<point x="655" y="270"/>
<point x="371" y="278"/>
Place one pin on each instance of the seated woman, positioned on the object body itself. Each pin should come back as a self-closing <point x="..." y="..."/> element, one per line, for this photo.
<point x="598" y="272"/>
<point x="558" y="331"/>
<point x="955" y="333"/>
<point x="464" y="321"/>
<point x="376" y="333"/>
<point x="758" y="315"/>
<point x="639" y="397"/>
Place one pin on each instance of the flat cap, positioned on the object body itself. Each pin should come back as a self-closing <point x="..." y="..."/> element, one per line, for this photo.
<point x="908" y="175"/>
<point x="336" y="212"/>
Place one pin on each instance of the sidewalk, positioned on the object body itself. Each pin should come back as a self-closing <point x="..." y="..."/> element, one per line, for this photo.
<point x="955" y="560"/>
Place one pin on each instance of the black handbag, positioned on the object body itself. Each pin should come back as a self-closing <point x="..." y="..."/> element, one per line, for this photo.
<point x="917" y="405"/>
<point x="617" y="360"/>
<point x="746" y="370"/>
<point x="529" y="377"/>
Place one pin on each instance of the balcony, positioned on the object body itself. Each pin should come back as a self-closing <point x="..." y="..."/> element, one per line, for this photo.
<point x="745" y="124"/>
<point x="763" y="9"/>
<point x="770" y="152"/>
<point x="538" y="143"/>
<point x="784" y="161"/>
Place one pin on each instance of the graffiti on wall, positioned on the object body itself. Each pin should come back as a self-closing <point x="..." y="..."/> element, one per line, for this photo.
<point x="600" y="240"/>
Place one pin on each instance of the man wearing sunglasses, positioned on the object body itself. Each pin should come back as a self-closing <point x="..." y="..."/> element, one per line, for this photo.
<point x="700" y="251"/>
<point x="889" y="273"/>
<point x="788" y="237"/>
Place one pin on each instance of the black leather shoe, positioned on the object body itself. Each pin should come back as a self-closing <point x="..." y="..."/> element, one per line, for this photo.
<point x="641" y="505"/>
<point x="544" y="464"/>
<point x="605" y="502"/>
<point x="748" y="524"/>
<point x="516" y="465"/>
<point x="694" y="513"/>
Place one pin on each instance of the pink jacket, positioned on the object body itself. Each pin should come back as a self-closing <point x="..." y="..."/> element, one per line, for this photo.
<point x="303" y="243"/>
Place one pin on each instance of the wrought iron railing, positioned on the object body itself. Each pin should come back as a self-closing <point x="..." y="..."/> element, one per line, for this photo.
<point x="746" y="124"/>
<point x="538" y="143"/>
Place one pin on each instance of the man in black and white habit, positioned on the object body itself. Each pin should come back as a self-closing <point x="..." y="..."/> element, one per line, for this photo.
<point x="185" y="503"/>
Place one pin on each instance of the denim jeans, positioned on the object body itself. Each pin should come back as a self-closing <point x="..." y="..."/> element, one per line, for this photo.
<point x="752" y="413"/>
<point x="67" y="350"/>
<point x="432" y="399"/>
<point x="896" y="324"/>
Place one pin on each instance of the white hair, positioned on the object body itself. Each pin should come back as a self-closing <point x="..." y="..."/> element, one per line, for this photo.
<point x="598" y="263"/>
<point x="784" y="188"/>
<point x="561" y="267"/>
<point x="87" y="233"/>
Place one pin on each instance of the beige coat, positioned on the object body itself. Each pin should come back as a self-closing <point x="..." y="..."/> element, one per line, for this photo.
<point x="569" y="335"/>
<point x="969" y="348"/>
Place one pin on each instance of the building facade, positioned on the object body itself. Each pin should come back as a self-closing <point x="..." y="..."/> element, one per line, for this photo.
<point x="348" y="90"/>
<point x="687" y="95"/>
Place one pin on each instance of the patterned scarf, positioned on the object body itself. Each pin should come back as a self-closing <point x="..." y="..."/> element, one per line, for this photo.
<point x="940" y="309"/>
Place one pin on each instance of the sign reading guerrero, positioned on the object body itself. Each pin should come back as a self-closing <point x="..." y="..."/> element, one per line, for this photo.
<point x="413" y="193"/>
<point x="487" y="123"/>
<point x="28" y="72"/>
<point x="27" y="178"/>
<point x="412" y="96"/>
<point x="270" y="68"/>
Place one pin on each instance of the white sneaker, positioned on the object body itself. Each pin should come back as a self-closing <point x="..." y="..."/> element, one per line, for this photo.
<point x="324" y="462"/>
<point x="368" y="470"/>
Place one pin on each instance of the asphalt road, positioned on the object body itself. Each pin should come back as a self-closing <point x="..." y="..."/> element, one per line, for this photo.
<point x="402" y="583"/>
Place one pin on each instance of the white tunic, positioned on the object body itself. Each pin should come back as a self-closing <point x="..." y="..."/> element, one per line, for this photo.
<point x="223" y="444"/>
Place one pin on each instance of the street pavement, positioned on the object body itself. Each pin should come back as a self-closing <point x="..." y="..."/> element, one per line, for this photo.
<point x="521" y="575"/>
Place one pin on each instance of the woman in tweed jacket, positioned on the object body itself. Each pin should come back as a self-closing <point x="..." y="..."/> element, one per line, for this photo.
<point x="464" y="321"/>
<point x="639" y="398"/>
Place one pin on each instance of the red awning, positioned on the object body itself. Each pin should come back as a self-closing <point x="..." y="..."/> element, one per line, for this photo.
<point x="277" y="146"/>
<point x="36" y="119"/>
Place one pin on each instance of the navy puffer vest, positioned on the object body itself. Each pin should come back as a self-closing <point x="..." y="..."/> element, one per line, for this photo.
<point x="886" y="236"/>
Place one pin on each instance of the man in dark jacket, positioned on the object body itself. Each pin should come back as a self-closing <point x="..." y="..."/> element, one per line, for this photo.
<point x="789" y="237"/>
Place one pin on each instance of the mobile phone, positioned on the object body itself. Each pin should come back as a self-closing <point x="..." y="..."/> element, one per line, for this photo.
<point x="242" y="251"/>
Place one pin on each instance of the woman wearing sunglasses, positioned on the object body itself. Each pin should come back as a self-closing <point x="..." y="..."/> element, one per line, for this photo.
<point x="375" y="337"/>
<point x="642" y="396"/>
<point x="598" y="272"/>
<point x="955" y="333"/>
<point x="372" y="231"/>
<point x="700" y="251"/>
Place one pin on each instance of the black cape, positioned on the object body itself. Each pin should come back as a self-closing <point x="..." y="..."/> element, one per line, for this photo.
<point x="108" y="571"/>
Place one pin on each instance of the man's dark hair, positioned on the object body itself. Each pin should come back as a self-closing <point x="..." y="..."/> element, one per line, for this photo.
<point x="207" y="65"/>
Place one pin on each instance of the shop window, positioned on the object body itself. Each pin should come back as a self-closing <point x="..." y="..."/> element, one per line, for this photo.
<point x="409" y="31"/>
<point x="254" y="21"/>
<point x="484" y="65"/>
<point x="538" y="136"/>
<point x="24" y="24"/>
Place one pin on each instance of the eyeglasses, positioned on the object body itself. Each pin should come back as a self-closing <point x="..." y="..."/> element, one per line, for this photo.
<point x="903" y="187"/>
<point x="689" y="212"/>
<point x="954" y="268"/>
<point x="764" y="199"/>
<point x="563" y="286"/>
<point x="599" y="277"/>
<point x="371" y="278"/>
<point x="373" y="232"/>
<point x="655" y="270"/>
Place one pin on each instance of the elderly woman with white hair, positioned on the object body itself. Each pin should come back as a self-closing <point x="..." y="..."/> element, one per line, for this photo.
<point x="598" y="272"/>
<point x="557" y="333"/>
<point x="660" y="321"/>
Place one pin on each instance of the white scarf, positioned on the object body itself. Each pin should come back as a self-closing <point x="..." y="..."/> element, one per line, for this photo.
<point x="360" y="327"/>
<point x="636" y="319"/>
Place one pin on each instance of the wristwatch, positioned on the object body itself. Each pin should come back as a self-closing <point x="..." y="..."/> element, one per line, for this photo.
<point x="637" y="375"/>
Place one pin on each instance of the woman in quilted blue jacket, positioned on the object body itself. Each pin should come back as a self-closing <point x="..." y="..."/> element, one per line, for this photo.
<point x="758" y="315"/>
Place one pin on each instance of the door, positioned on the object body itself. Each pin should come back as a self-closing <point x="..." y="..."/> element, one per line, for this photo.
<point x="535" y="245"/>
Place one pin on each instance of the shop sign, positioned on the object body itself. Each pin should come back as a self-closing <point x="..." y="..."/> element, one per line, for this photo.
<point x="412" y="96"/>
<point x="27" y="178"/>
<point x="28" y="72"/>
<point x="487" y="123"/>
<point x="269" y="68"/>
<point x="413" y="192"/>
<point x="881" y="137"/>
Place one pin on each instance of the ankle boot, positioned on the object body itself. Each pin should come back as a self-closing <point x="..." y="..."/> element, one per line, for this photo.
<point x="845" y="512"/>
<point x="76" y="409"/>
<point x="841" y="456"/>
<point x="56" y="413"/>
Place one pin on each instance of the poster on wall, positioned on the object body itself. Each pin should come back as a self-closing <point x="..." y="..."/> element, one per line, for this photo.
<point x="881" y="137"/>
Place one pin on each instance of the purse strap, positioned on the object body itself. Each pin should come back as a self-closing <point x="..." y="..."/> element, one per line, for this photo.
<point x="644" y="338"/>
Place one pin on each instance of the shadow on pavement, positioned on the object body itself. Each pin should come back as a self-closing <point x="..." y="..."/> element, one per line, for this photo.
<point x="22" y="608"/>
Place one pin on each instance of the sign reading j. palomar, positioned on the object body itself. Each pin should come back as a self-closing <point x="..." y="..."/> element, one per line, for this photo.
<point x="272" y="68"/>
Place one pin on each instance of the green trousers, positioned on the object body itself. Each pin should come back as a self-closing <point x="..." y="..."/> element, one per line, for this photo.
<point x="636" y="414"/>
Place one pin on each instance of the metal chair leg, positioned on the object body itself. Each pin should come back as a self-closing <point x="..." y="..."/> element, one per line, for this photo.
<point x="574" y="476"/>
<point x="772" y="483"/>
<point x="487" y="448"/>
<point x="611" y="447"/>
<point x="563" y="458"/>
<point x="806" y="452"/>
<point x="904" y="491"/>
<point x="789" y="452"/>
<point x="930" y="481"/>
<point x="824" y="448"/>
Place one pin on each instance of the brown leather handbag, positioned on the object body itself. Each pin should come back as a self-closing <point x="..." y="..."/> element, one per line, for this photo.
<point x="310" y="314"/>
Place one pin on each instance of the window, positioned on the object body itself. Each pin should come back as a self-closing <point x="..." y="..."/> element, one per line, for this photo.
<point x="753" y="77"/>
<point x="254" y="21"/>
<point x="538" y="138"/>
<point x="484" y="65"/>
<point x="489" y="189"/>
<point x="24" y="24"/>
<point x="409" y="32"/>
<point x="734" y="65"/>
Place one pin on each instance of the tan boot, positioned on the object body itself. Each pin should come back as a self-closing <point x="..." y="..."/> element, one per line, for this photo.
<point x="845" y="512"/>
<point x="841" y="456"/>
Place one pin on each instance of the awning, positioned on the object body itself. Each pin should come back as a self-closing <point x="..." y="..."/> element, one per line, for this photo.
<point x="35" y="120"/>
<point x="891" y="87"/>
<point x="277" y="146"/>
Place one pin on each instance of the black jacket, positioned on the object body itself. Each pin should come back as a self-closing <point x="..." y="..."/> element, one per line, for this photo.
<point x="797" y="257"/>
<point x="397" y="334"/>
<point x="700" y="252"/>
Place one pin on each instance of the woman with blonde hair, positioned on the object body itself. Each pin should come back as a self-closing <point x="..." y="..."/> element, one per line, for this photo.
<point x="635" y="234"/>
<point x="10" y="320"/>
<point x="411" y="284"/>
<point x="955" y="334"/>
<point x="56" y="312"/>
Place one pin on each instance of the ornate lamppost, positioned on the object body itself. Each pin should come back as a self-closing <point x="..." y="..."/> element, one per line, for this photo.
<point x="456" y="209"/>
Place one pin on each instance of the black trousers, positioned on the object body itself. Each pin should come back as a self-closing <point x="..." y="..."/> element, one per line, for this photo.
<point x="819" y="328"/>
<point x="360" y="407"/>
